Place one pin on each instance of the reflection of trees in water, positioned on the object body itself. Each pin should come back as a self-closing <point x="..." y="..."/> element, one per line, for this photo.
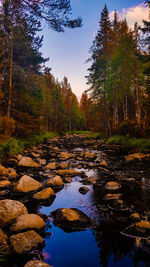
<point x="111" y="242"/>
<point x="113" y="245"/>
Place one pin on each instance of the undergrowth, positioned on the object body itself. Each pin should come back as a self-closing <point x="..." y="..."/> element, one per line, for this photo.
<point x="14" y="146"/>
<point x="138" y="144"/>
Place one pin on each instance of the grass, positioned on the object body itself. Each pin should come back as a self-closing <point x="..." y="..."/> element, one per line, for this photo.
<point x="14" y="146"/>
<point x="77" y="132"/>
<point x="95" y="136"/>
<point x="138" y="144"/>
<point x="89" y="134"/>
<point x="3" y="255"/>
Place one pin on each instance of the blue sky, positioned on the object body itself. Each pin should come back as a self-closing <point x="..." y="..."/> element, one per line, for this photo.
<point x="68" y="51"/>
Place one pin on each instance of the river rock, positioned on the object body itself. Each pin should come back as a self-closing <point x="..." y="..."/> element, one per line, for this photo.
<point x="28" y="222"/>
<point x="83" y="189"/>
<point x="27" y="184"/>
<point x="11" y="173"/>
<point x="3" y="241"/>
<point x="63" y="165"/>
<point x="89" y="180"/>
<point x="89" y="155"/>
<point x="50" y="166"/>
<point x="41" y="161"/>
<point x="65" y="155"/>
<point x="135" y="217"/>
<point x="45" y="195"/>
<point x="68" y="172"/>
<point x="4" y="184"/>
<point x="35" y="263"/>
<point x="143" y="226"/>
<point x="71" y="219"/>
<point x="134" y="156"/>
<point x="67" y="179"/>
<point x="10" y="210"/>
<point x="112" y="186"/>
<point x="35" y="155"/>
<point x="25" y="242"/>
<point x="55" y="181"/>
<point x="103" y="163"/>
<point x="19" y="157"/>
<point x="112" y="196"/>
<point x="55" y="148"/>
<point x="3" y="171"/>
<point x="28" y="162"/>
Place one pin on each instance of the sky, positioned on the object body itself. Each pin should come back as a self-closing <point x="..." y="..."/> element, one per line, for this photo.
<point x="69" y="51"/>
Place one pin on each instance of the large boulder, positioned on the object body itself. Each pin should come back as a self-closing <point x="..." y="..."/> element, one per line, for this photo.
<point x="71" y="219"/>
<point x="47" y="194"/>
<point x="28" y="222"/>
<point x="10" y="210"/>
<point x="3" y="241"/>
<point x="27" y="184"/>
<point x="36" y="263"/>
<point x="55" y="182"/>
<point x="26" y="242"/>
<point x="28" y="162"/>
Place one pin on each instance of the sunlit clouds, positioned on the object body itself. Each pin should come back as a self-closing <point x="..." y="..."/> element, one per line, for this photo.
<point x="133" y="14"/>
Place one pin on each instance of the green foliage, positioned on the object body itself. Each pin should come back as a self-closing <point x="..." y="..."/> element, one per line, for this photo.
<point x="14" y="146"/>
<point x="3" y="255"/>
<point x="141" y="145"/>
<point x="95" y="136"/>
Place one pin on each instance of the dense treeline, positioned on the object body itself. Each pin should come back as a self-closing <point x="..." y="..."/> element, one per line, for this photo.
<point x="31" y="99"/>
<point x="119" y="76"/>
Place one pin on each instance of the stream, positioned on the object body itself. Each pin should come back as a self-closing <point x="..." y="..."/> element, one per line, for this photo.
<point x="103" y="244"/>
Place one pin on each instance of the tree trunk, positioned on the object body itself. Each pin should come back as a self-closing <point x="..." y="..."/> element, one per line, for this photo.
<point x="11" y="67"/>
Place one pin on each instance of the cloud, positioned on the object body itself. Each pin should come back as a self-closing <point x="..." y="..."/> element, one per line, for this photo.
<point x="133" y="14"/>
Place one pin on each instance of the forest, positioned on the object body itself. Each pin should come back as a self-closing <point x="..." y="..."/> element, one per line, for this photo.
<point x="33" y="100"/>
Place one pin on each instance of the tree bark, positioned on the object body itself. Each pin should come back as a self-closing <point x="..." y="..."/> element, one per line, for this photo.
<point x="11" y="67"/>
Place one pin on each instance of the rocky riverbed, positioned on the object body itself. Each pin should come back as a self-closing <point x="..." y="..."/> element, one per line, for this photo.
<point x="74" y="201"/>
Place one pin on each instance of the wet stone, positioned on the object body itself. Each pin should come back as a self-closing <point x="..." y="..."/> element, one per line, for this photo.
<point x="135" y="217"/>
<point x="112" y="196"/>
<point x="28" y="162"/>
<point x="3" y="241"/>
<point x="83" y="189"/>
<point x="112" y="186"/>
<point x="71" y="219"/>
<point x="28" y="222"/>
<point x="27" y="184"/>
<point x="55" y="182"/>
<point x="10" y="210"/>
<point x="36" y="263"/>
<point x="47" y="194"/>
<point x="26" y="242"/>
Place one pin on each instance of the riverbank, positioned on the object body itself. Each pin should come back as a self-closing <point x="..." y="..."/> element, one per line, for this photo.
<point x="13" y="146"/>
